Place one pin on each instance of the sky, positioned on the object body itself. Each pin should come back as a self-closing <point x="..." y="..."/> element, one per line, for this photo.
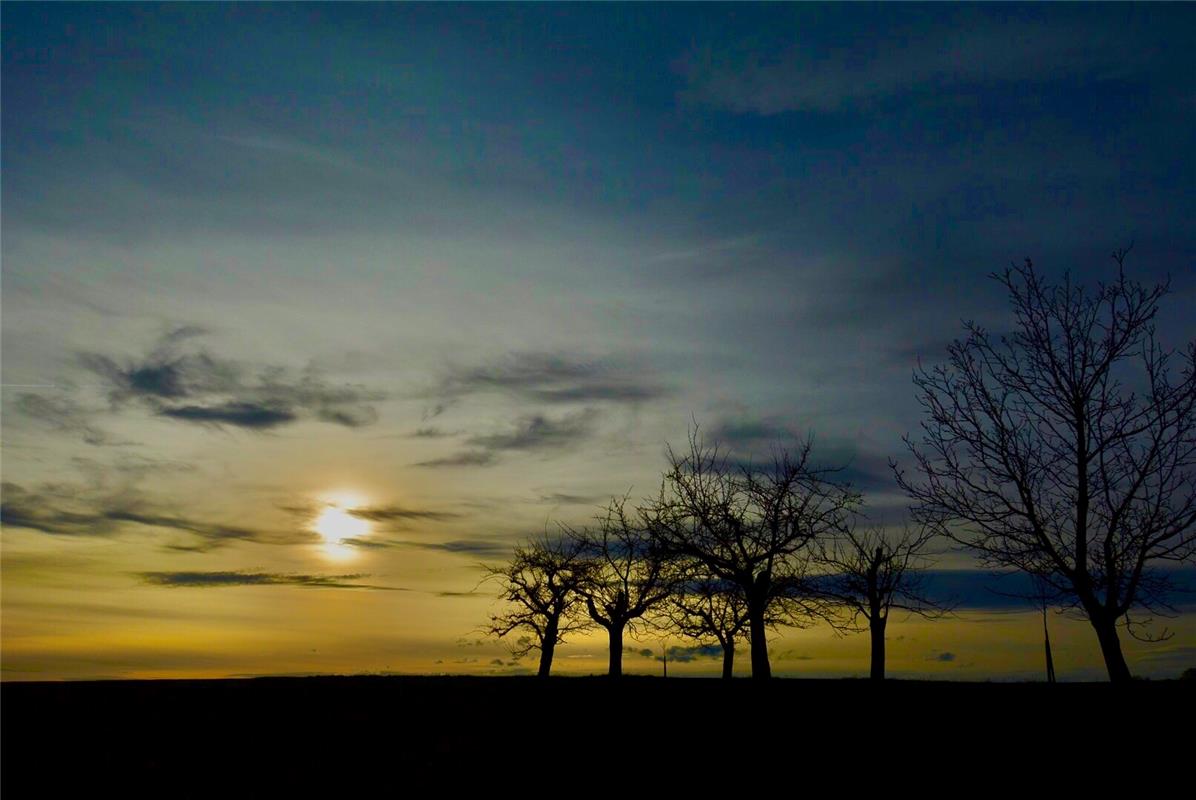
<point x="436" y="278"/>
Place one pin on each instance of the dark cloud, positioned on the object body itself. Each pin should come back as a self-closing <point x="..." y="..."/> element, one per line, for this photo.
<point x="1010" y="592"/>
<point x="216" y="579"/>
<point x="22" y="511"/>
<point x="430" y="432"/>
<point x="399" y="513"/>
<point x="538" y="432"/>
<point x="753" y="444"/>
<point x="63" y="414"/>
<point x="682" y="655"/>
<point x="685" y="655"/>
<point x="469" y="547"/>
<point x="457" y="594"/>
<point x="197" y="387"/>
<point x="480" y="548"/>
<point x="51" y="512"/>
<point x="241" y="415"/>
<point x="551" y="378"/>
<point x="130" y="466"/>
<point x="534" y="433"/>
<point x="945" y="656"/>
<point x="965" y="48"/>
<point x="566" y="499"/>
<point x="749" y="434"/>
<point x="469" y="458"/>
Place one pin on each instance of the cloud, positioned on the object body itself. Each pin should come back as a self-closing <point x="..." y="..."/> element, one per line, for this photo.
<point x="62" y="414"/>
<point x="533" y="433"/>
<point x="537" y="432"/>
<point x="469" y="458"/>
<point x="241" y="415"/>
<point x="749" y="434"/>
<point x="217" y="579"/>
<point x="966" y="49"/>
<point x="430" y="432"/>
<point x="685" y="655"/>
<point x="682" y="655"/>
<point x="110" y="515"/>
<point x="21" y="509"/>
<point x="946" y="656"/>
<point x="394" y="512"/>
<point x="469" y="547"/>
<point x="199" y="388"/>
<point x="566" y="499"/>
<point x="553" y="378"/>
<point x="481" y="548"/>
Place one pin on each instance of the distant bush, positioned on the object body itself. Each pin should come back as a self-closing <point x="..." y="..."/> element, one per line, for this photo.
<point x="1189" y="674"/>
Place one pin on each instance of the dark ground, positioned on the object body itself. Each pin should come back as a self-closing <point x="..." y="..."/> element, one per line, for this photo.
<point x="267" y="736"/>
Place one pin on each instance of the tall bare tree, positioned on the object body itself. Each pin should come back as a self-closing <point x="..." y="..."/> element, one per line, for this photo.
<point x="873" y="571"/>
<point x="750" y="526"/>
<point x="629" y="575"/>
<point x="541" y="584"/>
<point x="1067" y="448"/>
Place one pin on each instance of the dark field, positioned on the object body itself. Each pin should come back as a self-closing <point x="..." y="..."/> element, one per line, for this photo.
<point x="263" y="736"/>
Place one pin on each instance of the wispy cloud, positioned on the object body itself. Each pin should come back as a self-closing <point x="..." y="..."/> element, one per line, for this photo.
<point x="478" y="548"/>
<point x="569" y="499"/>
<point x="469" y="458"/>
<point x="538" y="432"/>
<point x="679" y="654"/>
<point x="430" y="432"/>
<point x="399" y="513"/>
<point x="50" y="512"/>
<point x="533" y="433"/>
<point x="554" y="378"/>
<point x="241" y="415"/>
<point x="197" y="387"/>
<point x="61" y="413"/>
<point x="966" y="49"/>
<point x="219" y="579"/>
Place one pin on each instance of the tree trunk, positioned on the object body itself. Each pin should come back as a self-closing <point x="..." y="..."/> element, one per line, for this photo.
<point x="760" y="668"/>
<point x="728" y="659"/>
<point x="877" y="627"/>
<point x="1110" y="647"/>
<point x="547" y="646"/>
<point x="616" y="651"/>
<point x="1046" y="638"/>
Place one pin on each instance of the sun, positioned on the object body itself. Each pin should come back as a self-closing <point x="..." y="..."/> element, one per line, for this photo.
<point x="336" y="524"/>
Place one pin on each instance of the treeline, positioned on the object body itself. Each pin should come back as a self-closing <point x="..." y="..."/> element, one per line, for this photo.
<point x="1064" y="449"/>
<point x="723" y="553"/>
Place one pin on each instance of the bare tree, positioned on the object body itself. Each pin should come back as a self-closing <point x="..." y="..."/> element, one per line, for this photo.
<point x="751" y="527"/>
<point x="1067" y="449"/>
<point x="873" y="571"/>
<point x="705" y="608"/>
<point x="628" y="576"/>
<point x="541" y="583"/>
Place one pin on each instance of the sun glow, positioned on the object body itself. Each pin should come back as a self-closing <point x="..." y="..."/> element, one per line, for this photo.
<point x="337" y="524"/>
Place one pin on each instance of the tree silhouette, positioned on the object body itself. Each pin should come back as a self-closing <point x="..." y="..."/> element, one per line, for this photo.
<point x="872" y="572"/>
<point x="705" y="609"/>
<point x="628" y="575"/>
<point x="751" y="527"/>
<point x="541" y="583"/>
<point x="1067" y="448"/>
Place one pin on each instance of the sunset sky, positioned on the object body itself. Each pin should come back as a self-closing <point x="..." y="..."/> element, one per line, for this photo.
<point x="432" y="278"/>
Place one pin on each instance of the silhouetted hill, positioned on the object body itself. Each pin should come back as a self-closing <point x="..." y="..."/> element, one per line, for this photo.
<point x="262" y="736"/>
